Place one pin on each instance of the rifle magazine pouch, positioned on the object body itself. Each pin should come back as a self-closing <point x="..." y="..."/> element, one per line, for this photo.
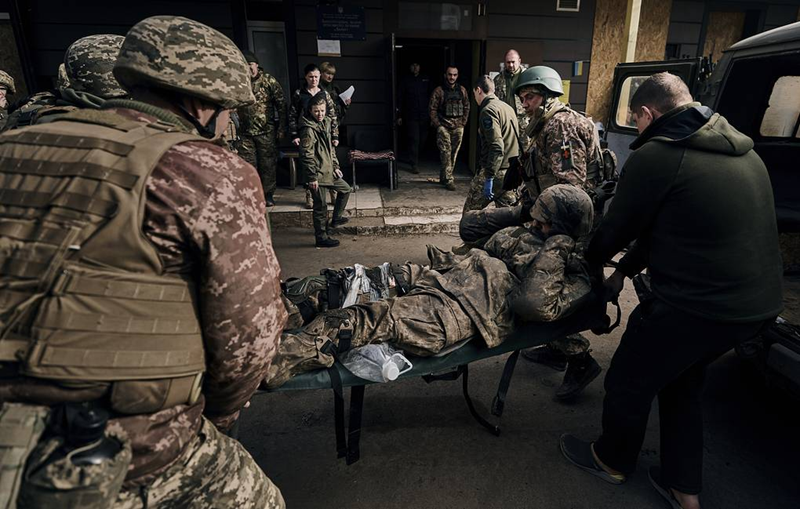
<point x="62" y="484"/>
<point x="21" y="426"/>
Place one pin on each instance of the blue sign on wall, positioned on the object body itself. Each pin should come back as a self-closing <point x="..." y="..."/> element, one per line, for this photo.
<point x="344" y="23"/>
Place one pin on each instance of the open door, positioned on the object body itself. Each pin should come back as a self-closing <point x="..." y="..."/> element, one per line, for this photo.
<point x="621" y="130"/>
<point x="393" y="80"/>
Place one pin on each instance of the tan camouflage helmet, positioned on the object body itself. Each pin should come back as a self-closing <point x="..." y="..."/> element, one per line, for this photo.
<point x="184" y="56"/>
<point x="89" y="63"/>
<point x="566" y="208"/>
<point x="7" y="81"/>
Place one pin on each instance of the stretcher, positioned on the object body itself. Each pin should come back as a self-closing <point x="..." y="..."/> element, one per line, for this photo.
<point x="452" y="366"/>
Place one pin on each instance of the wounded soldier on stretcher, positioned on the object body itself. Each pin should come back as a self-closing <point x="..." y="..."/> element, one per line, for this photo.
<point x="533" y="271"/>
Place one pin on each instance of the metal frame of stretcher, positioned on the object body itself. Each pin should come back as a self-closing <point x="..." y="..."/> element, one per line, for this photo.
<point x="592" y="315"/>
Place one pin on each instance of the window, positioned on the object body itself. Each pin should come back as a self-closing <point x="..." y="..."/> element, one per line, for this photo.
<point x="430" y="16"/>
<point x="623" y="113"/>
<point x="783" y="113"/>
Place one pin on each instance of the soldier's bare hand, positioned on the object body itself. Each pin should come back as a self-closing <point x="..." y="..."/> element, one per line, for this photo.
<point x="296" y="141"/>
<point x="335" y="143"/>
<point x="338" y="174"/>
<point x="614" y="284"/>
<point x="314" y="185"/>
<point x="348" y="101"/>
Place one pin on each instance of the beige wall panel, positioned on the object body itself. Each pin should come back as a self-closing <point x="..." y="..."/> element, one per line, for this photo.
<point x="724" y="29"/>
<point x="609" y="21"/>
<point x="651" y="42"/>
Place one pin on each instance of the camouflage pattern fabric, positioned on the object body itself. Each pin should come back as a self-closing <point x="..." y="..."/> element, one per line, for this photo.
<point x="261" y="151"/>
<point x="214" y="472"/>
<point x="504" y="90"/>
<point x="437" y="108"/>
<point x="7" y="81"/>
<point x="185" y="56"/>
<point x="448" y="141"/>
<point x="567" y="209"/>
<point x="231" y="134"/>
<point x="563" y="143"/>
<point x="476" y="200"/>
<point x="89" y="63"/>
<point x="25" y="113"/>
<point x="477" y="226"/>
<point x="574" y="344"/>
<point x="268" y="110"/>
<point x="62" y="80"/>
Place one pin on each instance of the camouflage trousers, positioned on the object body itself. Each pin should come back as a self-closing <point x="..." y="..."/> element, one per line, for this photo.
<point x="320" y="213"/>
<point x="448" y="141"/>
<point x="214" y="472"/>
<point x="573" y="344"/>
<point x="261" y="151"/>
<point x="477" y="201"/>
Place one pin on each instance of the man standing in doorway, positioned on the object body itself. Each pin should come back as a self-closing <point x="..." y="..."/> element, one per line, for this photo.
<point x="414" y="94"/>
<point x="499" y="134"/>
<point x="504" y="85"/>
<point x="257" y="127"/>
<point x="449" y="111"/>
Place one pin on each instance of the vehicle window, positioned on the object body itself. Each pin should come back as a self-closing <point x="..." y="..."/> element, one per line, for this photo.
<point x="629" y="87"/>
<point x="780" y="119"/>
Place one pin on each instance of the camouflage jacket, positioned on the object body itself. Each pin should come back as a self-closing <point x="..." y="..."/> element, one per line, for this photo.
<point x="562" y="144"/>
<point x="3" y="118"/>
<point x="504" y="90"/>
<point x="44" y="106"/>
<point x="438" y="107"/>
<point x="268" y="110"/>
<point x="205" y="215"/>
<point x="299" y="107"/>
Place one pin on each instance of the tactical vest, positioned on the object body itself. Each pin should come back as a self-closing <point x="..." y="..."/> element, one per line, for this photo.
<point x="84" y="299"/>
<point x="453" y="103"/>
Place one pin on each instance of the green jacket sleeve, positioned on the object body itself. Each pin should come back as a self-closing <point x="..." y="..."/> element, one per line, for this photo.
<point x="646" y="180"/>
<point x="492" y="143"/>
<point x="307" y="159"/>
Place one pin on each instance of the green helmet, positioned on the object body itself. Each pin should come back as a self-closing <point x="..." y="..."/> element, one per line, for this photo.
<point x="89" y="63"/>
<point x="7" y="81"/>
<point x="541" y="77"/>
<point x="184" y="56"/>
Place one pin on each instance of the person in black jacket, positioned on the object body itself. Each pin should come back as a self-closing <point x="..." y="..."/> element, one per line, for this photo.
<point x="415" y="91"/>
<point x="698" y="201"/>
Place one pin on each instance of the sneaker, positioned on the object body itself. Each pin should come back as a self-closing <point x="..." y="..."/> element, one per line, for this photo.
<point x="654" y="474"/>
<point x="450" y="186"/>
<point x="580" y="454"/>
<point x="546" y="355"/>
<point x="339" y="222"/>
<point x="581" y="370"/>
<point x="327" y="243"/>
<point x="309" y="200"/>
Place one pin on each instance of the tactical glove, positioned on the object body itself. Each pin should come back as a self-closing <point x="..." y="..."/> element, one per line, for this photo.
<point x="487" y="189"/>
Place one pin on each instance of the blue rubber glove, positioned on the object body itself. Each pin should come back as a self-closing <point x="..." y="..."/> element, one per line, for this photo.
<point x="487" y="189"/>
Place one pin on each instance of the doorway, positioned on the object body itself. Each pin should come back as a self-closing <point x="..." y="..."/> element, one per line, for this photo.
<point x="434" y="56"/>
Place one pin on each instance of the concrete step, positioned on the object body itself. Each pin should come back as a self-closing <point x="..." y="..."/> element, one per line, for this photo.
<point x="407" y="218"/>
<point x="401" y="225"/>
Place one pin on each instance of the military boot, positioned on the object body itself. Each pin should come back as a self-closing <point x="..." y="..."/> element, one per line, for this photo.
<point x="581" y="370"/>
<point x="547" y="355"/>
<point x="309" y="200"/>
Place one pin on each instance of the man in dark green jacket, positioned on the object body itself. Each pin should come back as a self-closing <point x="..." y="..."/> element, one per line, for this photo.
<point x="698" y="201"/>
<point x="318" y="156"/>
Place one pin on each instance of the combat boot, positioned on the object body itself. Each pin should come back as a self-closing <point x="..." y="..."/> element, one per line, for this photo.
<point x="309" y="200"/>
<point x="547" y="355"/>
<point x="450" y="186"/>
<point x="339" y="221"/>
<point x="327" y="242"/>
<point x="581" y="370"/>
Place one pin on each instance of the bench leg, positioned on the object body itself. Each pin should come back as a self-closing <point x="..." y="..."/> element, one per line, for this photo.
<point x="391" y="180"/>
<point x="499" y="401"/>
<point x="493" y="429"/>
<point x="355" y="185"/>
<point x="292" y="173"/>
<point x="354" y="435"/>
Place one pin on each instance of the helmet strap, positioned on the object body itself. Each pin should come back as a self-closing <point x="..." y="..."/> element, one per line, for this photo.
<point x="208" y="131"/>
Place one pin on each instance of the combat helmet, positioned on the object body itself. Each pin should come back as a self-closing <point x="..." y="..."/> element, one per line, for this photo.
<point x="89" y="63"/>
<point x="542" y="77"/>
<point x="7" y="81"/>
<point x="181" y="55"/>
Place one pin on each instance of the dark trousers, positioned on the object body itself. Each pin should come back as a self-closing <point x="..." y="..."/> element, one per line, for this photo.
<point x="417" y="133"/>
<point x="664" y="352"/>
<point x="320" y="213"/>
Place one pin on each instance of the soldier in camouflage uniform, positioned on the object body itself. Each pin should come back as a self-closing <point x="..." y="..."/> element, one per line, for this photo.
<point x="563" y="144"/>
<point x="499" y="135"/>
<point x="193" y="238"/>
<point x="88" y="82"/>
<point x="449" y="111"/>
<point x="504" y="85"/>
<point x="6" y="89"/>
<point x="262" y="124"/>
